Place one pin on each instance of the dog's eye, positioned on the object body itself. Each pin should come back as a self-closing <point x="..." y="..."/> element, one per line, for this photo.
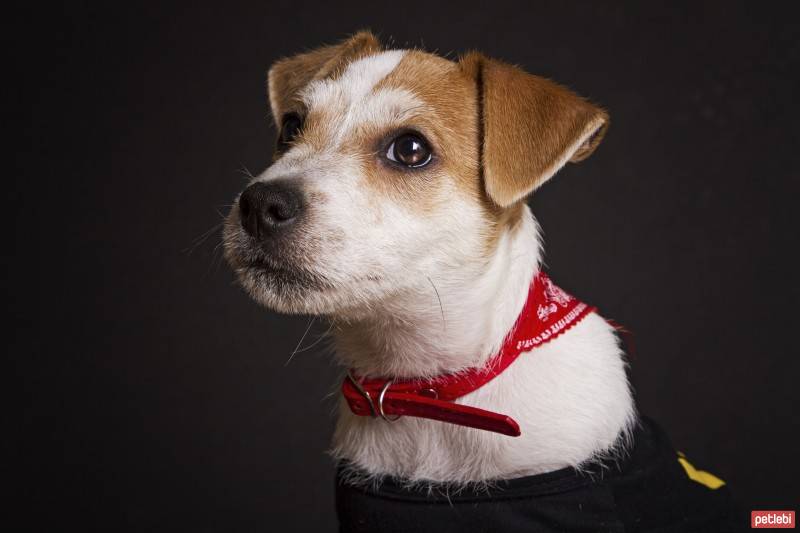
<point x="410" y="150"/>
<point x="289" y="129"/>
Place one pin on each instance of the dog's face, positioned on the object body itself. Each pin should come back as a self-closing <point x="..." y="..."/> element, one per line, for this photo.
<point x="392" y="168"/>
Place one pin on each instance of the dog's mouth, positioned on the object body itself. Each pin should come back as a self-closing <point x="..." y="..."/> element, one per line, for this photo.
<point x="275" y="269"/>
<point x="274" y="274"/>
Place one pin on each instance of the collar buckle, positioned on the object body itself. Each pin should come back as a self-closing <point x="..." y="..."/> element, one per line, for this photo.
<point x="367" y="396"/>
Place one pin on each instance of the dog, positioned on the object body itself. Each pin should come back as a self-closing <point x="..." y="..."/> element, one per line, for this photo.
<point x="479" y="395"/>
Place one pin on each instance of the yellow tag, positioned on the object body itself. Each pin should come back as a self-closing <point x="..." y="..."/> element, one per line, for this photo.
<point x="701" y="476"/>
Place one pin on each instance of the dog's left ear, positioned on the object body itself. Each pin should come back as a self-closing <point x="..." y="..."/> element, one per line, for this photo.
<point x="531" y="127"/>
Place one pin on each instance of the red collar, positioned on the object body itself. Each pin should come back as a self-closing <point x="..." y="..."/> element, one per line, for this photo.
<point x="548" y="312"/>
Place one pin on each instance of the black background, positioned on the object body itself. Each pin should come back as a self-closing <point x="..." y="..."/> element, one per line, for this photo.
<point x="154" y="393"/>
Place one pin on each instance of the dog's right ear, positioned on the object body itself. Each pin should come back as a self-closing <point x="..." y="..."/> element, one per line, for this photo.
<point x="287" y="76"/>
<point x="531" y="127"/>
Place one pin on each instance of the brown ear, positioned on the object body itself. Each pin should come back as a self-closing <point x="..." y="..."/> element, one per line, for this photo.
<point x="287" y="76"/>
<point x="531" y="127"/>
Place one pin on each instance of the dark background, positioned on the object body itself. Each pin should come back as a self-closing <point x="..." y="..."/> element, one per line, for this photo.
<point x="154" y="394"/>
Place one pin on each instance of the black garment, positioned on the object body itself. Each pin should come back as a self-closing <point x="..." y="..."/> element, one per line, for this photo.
<point x="648" y="491"/>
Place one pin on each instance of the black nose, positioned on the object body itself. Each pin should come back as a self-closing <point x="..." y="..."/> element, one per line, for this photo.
<point x="267" y="208"/>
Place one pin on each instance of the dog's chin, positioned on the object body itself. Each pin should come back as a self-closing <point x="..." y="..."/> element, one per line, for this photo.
<point x="285" y="289"/>
<point x="299" y="291"/>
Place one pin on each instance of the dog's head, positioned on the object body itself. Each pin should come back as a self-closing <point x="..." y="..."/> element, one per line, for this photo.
<point x="394" y="166"/>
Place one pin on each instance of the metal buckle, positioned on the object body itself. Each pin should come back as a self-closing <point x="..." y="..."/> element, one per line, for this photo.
<point x="380" y="403"/>
<point x="368" y="397"/>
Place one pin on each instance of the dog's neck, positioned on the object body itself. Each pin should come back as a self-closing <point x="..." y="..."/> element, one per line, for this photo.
<point x="570" y="397"/>
<point x="451" y="320"/>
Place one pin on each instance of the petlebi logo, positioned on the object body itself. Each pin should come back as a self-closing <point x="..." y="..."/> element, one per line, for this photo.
<point x="772" y="520"/>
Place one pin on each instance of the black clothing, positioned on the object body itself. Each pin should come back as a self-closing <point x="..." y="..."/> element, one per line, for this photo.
<point x="647" y="491"/>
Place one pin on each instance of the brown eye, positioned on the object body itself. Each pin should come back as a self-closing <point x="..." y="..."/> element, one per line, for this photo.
<point x="289" y="129"/>
<point x="410" y="150"/>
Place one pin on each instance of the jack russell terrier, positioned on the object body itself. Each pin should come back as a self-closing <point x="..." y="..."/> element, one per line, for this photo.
<point x="479" y="396"/>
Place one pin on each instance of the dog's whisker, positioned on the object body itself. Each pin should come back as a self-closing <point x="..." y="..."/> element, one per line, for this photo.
<point x="217" y="257"/>
<point x="223" y="206"/>
<point x="203" y="237"/>
<point x="319" y="339"/>
<point x="300" y="342"/>
<point x="222" y="242"/>
<point x="441" y="308"/>
<point x="246" y="172"/>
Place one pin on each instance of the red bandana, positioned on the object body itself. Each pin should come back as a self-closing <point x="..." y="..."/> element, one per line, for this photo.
<point x="548" y="312"/>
